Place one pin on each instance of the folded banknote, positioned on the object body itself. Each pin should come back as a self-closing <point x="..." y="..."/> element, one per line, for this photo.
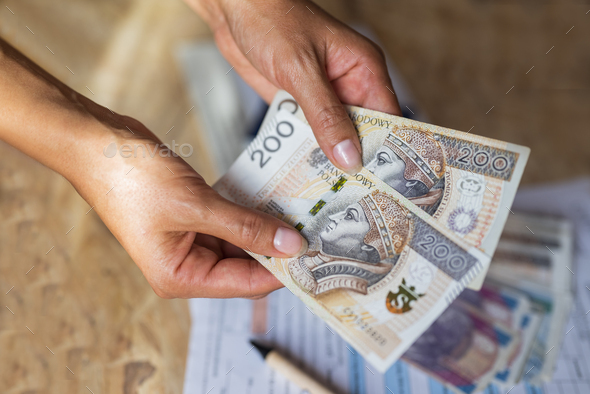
<point x="526" y="297"/>
<point x="379" y="270"/>
<point x="510" y="308"/>
<point x="466" y="182"/>
<point x="535" y="256"/>
<point x="466" y="346"/>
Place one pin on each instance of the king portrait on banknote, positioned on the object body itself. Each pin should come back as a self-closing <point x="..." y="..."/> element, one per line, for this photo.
<point x="360" y="246"/>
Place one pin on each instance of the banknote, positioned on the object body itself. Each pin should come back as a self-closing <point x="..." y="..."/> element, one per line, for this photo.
<point x="529" y="326"/>
<point x="534" y="270"/>
<point x="544" y="231"/>
<point x="379" y="270"/>
<point x="464" y="348"/>
<point x="545" y="349"/>
<point x="500" y="303"/>
<point x="513" y="309"/>
<point x="464" y="181"/>
<point x="535" y="256"/>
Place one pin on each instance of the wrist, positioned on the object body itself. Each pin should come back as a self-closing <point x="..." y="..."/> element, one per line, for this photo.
<point x="81" y="154"/>
<point x="100" y="154"/>
<point x="45" y="119"/>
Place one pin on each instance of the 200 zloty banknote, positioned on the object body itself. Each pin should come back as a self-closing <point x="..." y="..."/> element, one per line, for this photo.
<point x="379" y="270"/>
<point x="465" y="182"/>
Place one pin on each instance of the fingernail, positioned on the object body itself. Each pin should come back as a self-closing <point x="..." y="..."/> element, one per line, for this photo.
<point x="348" y="157"/>
<point x="290" y="242"/>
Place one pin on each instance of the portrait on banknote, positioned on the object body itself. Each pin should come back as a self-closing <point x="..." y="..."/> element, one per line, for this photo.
<point x="359" y="246"/>
<point x="361" y="237"/>
<point x="412" y="162"/>
<point x="459" y="179"/>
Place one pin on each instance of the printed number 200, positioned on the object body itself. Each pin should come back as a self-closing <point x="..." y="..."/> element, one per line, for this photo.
<point x="272" y="144"/>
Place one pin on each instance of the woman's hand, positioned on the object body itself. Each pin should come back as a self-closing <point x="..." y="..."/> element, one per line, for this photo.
<point x="294" y="45"/>
<point x="182" y="234"/>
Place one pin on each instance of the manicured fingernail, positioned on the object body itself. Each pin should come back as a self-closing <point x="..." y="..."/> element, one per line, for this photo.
<point x="290" y="242"/>
<point x="348" y="157"/>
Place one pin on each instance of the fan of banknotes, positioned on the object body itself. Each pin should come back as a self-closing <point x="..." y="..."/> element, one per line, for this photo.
<point x="393" y="247"/>
<point x="510" y="330"/>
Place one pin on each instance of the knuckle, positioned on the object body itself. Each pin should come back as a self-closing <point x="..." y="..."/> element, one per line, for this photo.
<point x="162" y="294"/>
<point x="329" y="118"/>
<point x="378" y="52"/>
<point x="162" y="291"/>
<point x="257" y="297"/>
<point x="252" y="229"/>
<point x="163" y="284"/>
<point x="292" y="65"/>
<point x="373" y="55"/>
<point x="202" y="197"/>
<point x="374" y="50"/>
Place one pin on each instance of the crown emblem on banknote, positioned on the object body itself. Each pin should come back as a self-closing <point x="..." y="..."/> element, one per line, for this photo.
<point x="401" y="301"/>
<point x="317" y="158"/>
<point x="390" y="224"/>
<point x="422" y="153"/>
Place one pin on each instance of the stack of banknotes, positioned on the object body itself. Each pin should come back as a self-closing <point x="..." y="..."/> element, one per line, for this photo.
<point x="392" y="248"/>
<point x="511" y="329"/>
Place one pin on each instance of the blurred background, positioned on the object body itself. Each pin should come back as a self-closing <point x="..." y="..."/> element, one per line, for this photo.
<point x="77" y="315"/>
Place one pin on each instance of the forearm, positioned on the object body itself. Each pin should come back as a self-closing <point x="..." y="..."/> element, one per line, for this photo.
<point x="47" y="120"/>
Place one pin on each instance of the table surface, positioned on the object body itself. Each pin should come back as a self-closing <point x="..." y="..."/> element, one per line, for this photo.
<point x="77" y="314"/>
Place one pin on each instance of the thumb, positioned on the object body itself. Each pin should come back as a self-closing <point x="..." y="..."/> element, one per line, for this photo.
<point x="329" y="121"/>
<point x="249" y="229"/>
